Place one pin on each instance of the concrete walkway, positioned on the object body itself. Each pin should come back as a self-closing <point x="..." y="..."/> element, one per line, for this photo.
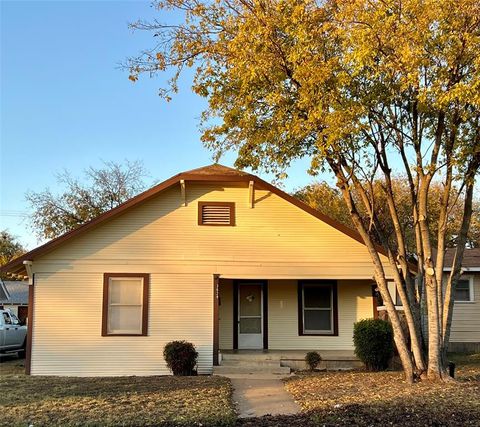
<point x="261" y="394"/>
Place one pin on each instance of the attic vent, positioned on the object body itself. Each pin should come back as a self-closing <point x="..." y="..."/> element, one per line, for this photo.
<point x="216" y="213"/>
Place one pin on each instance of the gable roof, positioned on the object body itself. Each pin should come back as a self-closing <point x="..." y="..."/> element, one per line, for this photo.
<point x="4" y="296"/>
<point x="18" y="292"/>
<point x="471" y="258"/>
<point x="212" y="173"/>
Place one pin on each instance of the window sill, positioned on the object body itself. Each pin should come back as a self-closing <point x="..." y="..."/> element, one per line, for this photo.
<point x="464" y="302"/>
<point x="313" y="334"/>
<point x="124" y="335"/>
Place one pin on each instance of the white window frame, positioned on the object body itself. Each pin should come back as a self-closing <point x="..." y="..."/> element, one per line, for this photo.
<point x="392" y="290"/>
<point x="471" y="290"/>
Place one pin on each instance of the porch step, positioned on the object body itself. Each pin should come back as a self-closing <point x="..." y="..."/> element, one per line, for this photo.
<point x="250" y="369"/>
<point x="251" y="357"/>
<point x="251" y="363"/>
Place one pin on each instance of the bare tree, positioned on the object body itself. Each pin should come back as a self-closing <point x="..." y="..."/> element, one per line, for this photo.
<point x="81" y="200"/>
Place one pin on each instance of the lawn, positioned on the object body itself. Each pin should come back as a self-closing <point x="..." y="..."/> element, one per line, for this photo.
<point x="124" y="401"/>
<point x="326" y="398"/>
<point x="383" y="398"/>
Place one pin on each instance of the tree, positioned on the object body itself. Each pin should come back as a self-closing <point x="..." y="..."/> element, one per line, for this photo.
<point x="10" y="248"/>
<point x="326" y="199"/>
<point x="100" y="190"/>
<point x="361" y="88"/>
<point x="329" y="201"/>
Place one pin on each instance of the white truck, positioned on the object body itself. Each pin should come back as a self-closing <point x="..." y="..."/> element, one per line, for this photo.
<point x="13" y="335"/>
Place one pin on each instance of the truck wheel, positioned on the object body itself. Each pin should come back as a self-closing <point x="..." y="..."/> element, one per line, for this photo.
<point x="21" y="352"/>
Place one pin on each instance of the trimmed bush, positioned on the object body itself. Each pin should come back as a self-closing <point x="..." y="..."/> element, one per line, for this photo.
<point x="312" y="359"/>
<point x="373" y="341"/>
<point x="181" y="357"/>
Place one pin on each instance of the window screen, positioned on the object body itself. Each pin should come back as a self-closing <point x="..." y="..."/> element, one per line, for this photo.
<point x="124" y="305"/>
<point x="317" y="308"/>
<point x="462" y="291"/>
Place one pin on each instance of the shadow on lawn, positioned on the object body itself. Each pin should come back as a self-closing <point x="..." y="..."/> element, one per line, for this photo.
<point x="393" y="413"/>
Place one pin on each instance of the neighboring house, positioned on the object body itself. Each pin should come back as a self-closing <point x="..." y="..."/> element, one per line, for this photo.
<point x="465" y="333"/>
<point x="214" y="256"/>
<point x="15" y="298"/>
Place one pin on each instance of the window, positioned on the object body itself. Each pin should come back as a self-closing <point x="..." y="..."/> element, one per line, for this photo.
<point x="464" y="290"/>
<point x="317" y="303"/>
<point x="125" y="304"/>
<point x="216" y="213"/>
<point x="393" y="291"/>
<point x="15" y="320"/>
<point x="6" y="319"/>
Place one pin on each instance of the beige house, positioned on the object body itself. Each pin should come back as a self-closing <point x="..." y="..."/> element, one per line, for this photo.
<point x="214" y="256"/>
<point x="465" y="333"/>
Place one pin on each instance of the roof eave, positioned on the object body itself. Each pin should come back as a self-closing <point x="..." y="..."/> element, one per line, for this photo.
<point x="16" y="266"/>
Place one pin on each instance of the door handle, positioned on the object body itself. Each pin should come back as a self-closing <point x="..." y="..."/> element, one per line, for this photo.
<point x="7" y="329"/>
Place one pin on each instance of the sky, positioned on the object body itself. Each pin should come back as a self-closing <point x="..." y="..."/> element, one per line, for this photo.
<point x="66" y="105"/>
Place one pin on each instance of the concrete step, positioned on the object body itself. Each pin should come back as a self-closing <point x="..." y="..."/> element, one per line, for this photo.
<point x="251" y="357"/>
<point x="248" y="363"/>
<point x="246" y="370"/>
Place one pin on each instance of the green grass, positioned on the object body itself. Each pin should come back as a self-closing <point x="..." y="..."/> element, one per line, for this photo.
<point x="118" y="401"/>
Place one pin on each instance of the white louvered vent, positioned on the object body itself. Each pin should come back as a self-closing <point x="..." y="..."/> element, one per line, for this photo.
<point x="216" y="213"/>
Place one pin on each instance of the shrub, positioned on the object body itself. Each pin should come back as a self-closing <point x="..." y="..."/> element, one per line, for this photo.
<point x="181" y="357"/>
<point x="373" y="341"/>
<point x="312" y="359"/>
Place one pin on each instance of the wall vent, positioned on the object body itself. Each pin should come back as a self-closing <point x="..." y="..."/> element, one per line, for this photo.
<point x="216" y="213"/>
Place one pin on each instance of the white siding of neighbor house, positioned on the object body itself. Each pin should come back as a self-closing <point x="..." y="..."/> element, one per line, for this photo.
<point x="274" y="240"/>
<point x="354" y="303"/>
<point x="466" y="316"/>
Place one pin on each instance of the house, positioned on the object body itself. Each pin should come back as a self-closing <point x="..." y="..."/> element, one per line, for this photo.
<point x="215" y="256"/>
<point x="465" y="332"/>
<point x="15" y="298"/>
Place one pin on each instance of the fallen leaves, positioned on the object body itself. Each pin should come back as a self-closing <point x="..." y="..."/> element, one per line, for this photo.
<point x="384" y="398"/>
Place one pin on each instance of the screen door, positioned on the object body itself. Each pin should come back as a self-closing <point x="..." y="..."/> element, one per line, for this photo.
<point x="250" y="316"/>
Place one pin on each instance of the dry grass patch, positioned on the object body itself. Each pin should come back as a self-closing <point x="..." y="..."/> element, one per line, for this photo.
<point x="125" y="401"/>
<point x="384" y="398"/>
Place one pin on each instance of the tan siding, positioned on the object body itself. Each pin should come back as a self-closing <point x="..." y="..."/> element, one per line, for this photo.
<point x="466" y="317"/>
<point x="354" y="303"/>
<point x="275" y="239"/>
<point x="273" y="233"/>
<point x="225" y="312"/>
<point x="67" y="326"/>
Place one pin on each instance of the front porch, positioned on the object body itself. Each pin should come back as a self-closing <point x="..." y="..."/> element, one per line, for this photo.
<point x="270" y="325"/>
<point x="282" y="361"/>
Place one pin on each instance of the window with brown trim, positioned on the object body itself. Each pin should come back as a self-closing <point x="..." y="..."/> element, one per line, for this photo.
<point x="216" y="213"/>
<point x="125" y="304"/>
<point x="317" y="308"/>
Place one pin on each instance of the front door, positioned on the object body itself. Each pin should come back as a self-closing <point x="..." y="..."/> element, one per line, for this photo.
<point x="250" y="316"/>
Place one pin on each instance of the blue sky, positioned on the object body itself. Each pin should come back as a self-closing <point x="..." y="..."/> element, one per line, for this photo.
<point x="65" y="104"/>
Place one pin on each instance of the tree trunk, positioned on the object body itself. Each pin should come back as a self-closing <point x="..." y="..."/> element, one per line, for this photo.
<point x="398" y="334"/>
<point x="434" y="370"/>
